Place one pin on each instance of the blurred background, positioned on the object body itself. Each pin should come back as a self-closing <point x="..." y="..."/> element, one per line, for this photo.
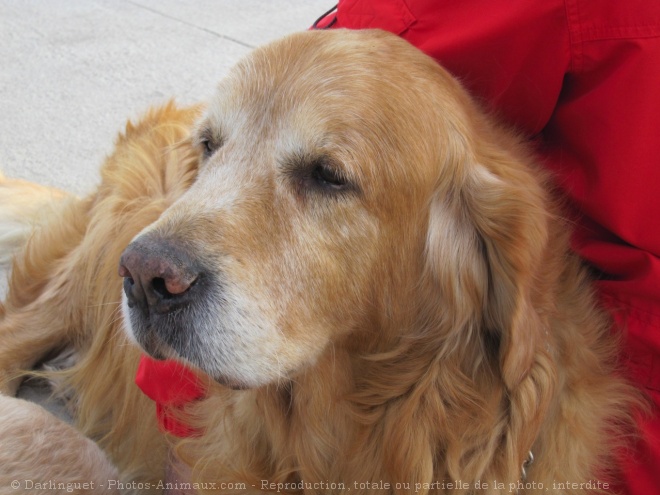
<point x="72" y="72"/>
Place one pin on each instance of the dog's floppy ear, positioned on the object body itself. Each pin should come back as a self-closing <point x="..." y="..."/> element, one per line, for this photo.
<point x="486" y="238"/>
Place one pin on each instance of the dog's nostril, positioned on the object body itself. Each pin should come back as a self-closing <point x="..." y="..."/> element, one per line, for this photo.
<point x="168" y="288"/>
<point x="160" y="287"/>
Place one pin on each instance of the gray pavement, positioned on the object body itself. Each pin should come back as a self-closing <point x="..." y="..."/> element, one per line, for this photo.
<point x="72" y="72"/>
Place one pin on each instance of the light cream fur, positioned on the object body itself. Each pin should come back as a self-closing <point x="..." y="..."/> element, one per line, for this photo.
<point x="428" y="323"/>
<point x="23" y="205"/>
<point x="42" y="455"/>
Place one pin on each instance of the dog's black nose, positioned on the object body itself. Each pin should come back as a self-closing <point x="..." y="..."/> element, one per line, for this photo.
<point x="158" y="275"/>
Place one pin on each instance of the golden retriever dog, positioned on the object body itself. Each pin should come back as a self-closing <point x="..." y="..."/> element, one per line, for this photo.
<point x="370" y="275"/>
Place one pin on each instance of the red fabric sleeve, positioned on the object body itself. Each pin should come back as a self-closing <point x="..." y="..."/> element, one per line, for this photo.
<point x="512" y="55"/>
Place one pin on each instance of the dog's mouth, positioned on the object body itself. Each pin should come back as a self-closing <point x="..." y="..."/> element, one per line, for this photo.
<point x="155" y="347"/>
<point x="162" y="337"/>
<point x="159" y="350"/>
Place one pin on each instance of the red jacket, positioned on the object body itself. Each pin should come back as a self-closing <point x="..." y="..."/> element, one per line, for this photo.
<point x="582" y="78"/>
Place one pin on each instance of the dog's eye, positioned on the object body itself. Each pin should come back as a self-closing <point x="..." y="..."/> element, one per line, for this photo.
<point x="209" y="147"/>
<point x="328" y="177"/>
<point x="317" y="174"/>
<point x="209" y="142"/>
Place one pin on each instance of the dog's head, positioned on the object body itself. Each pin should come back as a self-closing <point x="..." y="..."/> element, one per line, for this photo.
<point x="347" y="184"/>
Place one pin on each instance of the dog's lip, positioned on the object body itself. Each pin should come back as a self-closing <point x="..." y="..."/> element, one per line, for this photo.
<point x="158" y="356"/>
<point x="152" y="345"/>
<point x="231" y="384"/>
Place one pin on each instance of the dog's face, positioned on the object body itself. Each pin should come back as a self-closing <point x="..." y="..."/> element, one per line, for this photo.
<point x="308" y="223"/>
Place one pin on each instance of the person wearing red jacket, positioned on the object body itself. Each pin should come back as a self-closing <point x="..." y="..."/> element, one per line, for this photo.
<point x="582" y="79"/>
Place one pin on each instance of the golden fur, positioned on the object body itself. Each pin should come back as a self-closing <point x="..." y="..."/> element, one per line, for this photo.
<point x="21" y="200"/>
<point x="424" y="323"/>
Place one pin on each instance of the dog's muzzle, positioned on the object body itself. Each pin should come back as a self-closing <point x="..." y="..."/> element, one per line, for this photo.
<point x="165" y="286"/>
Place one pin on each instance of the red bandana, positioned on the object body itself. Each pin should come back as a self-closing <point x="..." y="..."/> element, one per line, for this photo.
<point x="170" y="385"/>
